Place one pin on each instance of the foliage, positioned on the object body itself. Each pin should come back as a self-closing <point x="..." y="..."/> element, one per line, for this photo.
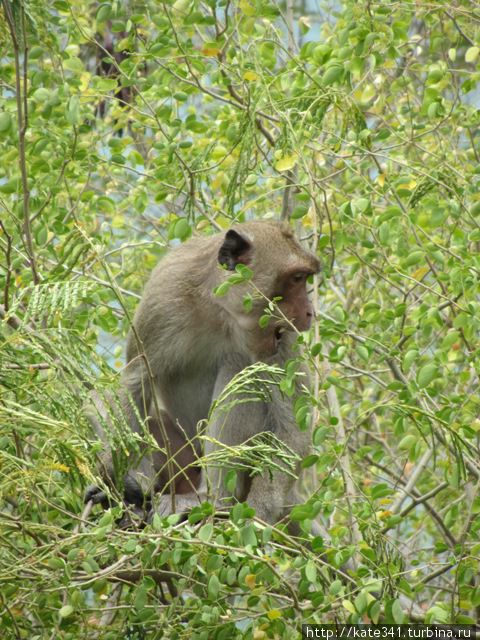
<point x="124" y="128"/>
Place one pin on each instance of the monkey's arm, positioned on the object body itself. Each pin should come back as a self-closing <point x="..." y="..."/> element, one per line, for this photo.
<point x="234" y="420"/>
<point x="108" y="414"/>
<point x="271" y="493"/>
<point x="144" y="468"/>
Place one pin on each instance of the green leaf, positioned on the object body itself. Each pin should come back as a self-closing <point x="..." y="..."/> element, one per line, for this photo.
<point x="346" y="604"/>
<point x="311" y="571"/>
<point x="321" y="53"/>
<point x="182" y="230"/>
<point x="247" y="8"/>
<point x="41" y="95"/>
<point x="413" y="258"/>
<point x="264" y="321"/>
<point x="36" y="52"/>
<point x="140" y="599"/>
<point x="363" y="353"/>
<point x="397" y="612"/>
<point x="244" y="271"/>
<point x="74" y="64"/>
<point x="73" y="110"/>
<point x="181" y="96"/>
<point x="361" y="602"/>
<point x="247" y="303"/>
<point x="360" y="205"/>
<point x="410" y="357"/>
<point x="381" y="491"/>
<point x="106" y="84"/>
<point x="230" y="480"/>
<point x="104" y="12"/>
<point x="56" y="563"/>
<point x="300" y="512"/>
<point x="213" y="587"/>
<point x="332" y="74"/>
<point x="309" y="461"/>
<point x="66" y="611"/>
<point x="374" y="612"/>
<point x="475" y="209"/>
<point x="249" y="537"/>
<point x="450" y="339"/>
<point x="5" y="121"/>
<point x="320" y="434"/>
<point x="299" y="212"/>
<point x="205" y="532"/>
<point x="407" y="442"/>
<point x="12" y="186"/>
<point x="222" y="289"/>
<point x="130" y="545"/>
<point x="335" y="587"/>
<point x="427" y="374"/>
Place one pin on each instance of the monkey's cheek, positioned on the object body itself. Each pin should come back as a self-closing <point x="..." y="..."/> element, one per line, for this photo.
<point x="247" y="322"/>
<point x="303" y="324"/>
<point x="265" y="348"/>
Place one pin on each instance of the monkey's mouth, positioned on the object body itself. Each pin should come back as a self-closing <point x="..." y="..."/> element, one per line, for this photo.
<point x="279" y="331"/>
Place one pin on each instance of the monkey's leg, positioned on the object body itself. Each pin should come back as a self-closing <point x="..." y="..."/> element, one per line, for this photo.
<point x="179" y="471"/>
<point x="272" y="496"/>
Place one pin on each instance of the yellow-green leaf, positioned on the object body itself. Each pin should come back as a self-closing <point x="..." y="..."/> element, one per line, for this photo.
<point x="286" y="163"/>
<point x="246" y="8"/>
<point x="66" y="611"/>
<point x="471" y="54"/>
<point x="250" y="76"/>
<point x="346" y="604"/>
<point x="274" y="614"/>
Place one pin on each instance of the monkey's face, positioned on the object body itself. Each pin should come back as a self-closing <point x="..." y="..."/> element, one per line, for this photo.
<point x="280" y="269"/>
<point x="295" y="306"/>
<point x="291" y="310"/>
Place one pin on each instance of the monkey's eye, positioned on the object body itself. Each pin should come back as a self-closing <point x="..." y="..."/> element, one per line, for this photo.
<point x="298" y="277"/>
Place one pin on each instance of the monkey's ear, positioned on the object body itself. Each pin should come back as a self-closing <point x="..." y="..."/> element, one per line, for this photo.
<point x="236" y="249"/>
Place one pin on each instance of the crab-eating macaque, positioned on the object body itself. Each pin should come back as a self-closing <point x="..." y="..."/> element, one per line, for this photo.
<point x="186" y="345"/>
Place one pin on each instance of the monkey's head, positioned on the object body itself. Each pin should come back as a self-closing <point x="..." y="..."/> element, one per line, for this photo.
<point x="280" y="269"/>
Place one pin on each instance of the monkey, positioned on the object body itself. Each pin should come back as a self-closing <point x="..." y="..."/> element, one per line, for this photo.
<point x="186" y="345"/>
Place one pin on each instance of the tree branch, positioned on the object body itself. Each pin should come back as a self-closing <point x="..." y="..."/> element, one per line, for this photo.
<point x="22" y="117"/>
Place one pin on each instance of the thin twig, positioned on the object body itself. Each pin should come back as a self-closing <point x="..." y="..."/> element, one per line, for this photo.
<point x="8" y="261"/>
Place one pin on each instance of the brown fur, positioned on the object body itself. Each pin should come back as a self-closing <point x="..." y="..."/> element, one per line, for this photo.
<point x="187" y="344"/>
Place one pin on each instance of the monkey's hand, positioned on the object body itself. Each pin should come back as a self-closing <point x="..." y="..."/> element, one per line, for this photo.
<point x="135" y="512"/>
<point x="132" y="494"/>
<point x="97" y="496"/>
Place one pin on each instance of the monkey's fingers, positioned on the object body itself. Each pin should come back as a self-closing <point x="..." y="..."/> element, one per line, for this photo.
<point x="133" y="518"/>
<point x="97" y="496"/>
